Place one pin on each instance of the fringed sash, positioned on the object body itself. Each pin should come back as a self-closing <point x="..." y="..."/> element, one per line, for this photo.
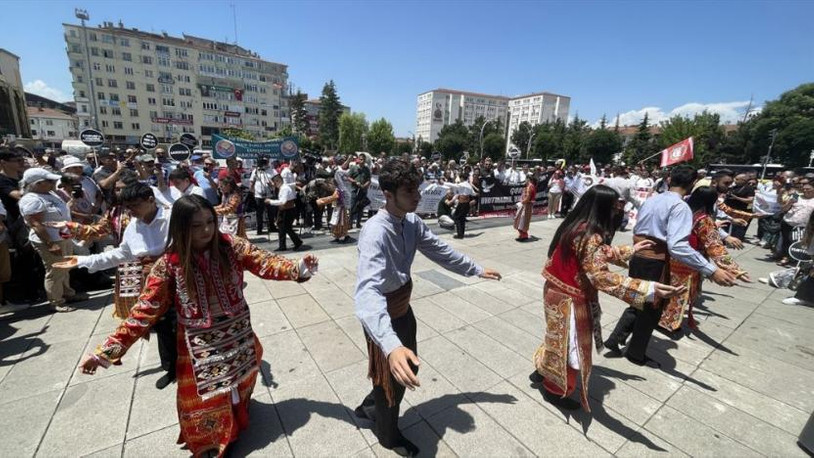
<point x="398" y="304"/>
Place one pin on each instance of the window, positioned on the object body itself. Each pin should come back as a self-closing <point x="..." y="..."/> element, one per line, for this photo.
<point x="124" y="42"/>
<point x="210" y="106"/>
<point x="94" y="51"/>
<point x="116" y="111"/>
<point x="133" y="113"/>
<point x="181" y="65"/>
<point x="100" y="95"/>
<point x="135" y="126"/>
<point x="130" y="85"/>
<point x="148" y="73"/>
<point x="127" y="56"/>
<point x="33" y="132"/>
<point x="181" y="52"/>
<point x="103" y="110"/>
<point x="51" y="133"/>
<point x="128" y="70"/>
<point x="112" y="83"/>
<point x="150" y="87"/>
<point x="161" y="49"/>
<point x="117" y="125"/>
<point x="108" y="39"/>
<point x="105" y="124"/>
<point x="72" y="33"/>
<point x="92" y="36"/>
<point x="82" y="94"/>
<point x="97" y="66"/>
<point x="164" y="61"/>
<point x="100" y="82"/>
<point x="33" y="122"/>
<point x="49" y="122"/>
<point x="166" y="89"/>
<point x="145" y="45"/>
<point x="168" y="101"/>
<point x="151" y="100"/>
<point x="108" y="53"/>
<point x="114" y="97"/>
<point x="110" y="68"/>
<point x="146" y="60"/>
<point x="185" y="91"/>
<point x="153" y="114"/>
<point x="131" y="98"/>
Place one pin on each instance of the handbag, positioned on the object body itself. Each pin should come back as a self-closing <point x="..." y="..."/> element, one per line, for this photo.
<point x="229" y="224"/>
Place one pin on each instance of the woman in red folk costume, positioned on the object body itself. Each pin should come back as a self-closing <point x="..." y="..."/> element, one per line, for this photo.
<point x="576" y="270"/>
<point x="525" y="207"/>
<point x="706" y="240"/>
<point x="201" y="275"/>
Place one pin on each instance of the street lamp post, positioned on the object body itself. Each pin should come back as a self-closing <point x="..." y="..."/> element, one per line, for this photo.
<point x="528" y="147"/>
<point x="810" y="158"/>
<point x="768" y="155"/>
<point x="412" y="150"/>
<point x="83" y="16"/>
<point x="481" y="137"/>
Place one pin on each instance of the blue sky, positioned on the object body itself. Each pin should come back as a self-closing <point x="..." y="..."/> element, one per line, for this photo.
<point x="609" y="57"/>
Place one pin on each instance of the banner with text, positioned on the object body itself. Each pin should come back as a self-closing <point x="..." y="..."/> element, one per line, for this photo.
<point x="281" y="149"/>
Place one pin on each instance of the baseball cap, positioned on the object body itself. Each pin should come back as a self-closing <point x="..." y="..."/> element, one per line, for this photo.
<point x="146" y="158"/>
<point x="35" y="175"/>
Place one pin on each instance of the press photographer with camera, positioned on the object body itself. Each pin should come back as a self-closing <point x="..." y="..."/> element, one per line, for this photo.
<point x="260" y="185"/>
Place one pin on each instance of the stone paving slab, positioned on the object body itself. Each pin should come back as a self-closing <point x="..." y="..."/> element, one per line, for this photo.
<point x="741" y="385"/>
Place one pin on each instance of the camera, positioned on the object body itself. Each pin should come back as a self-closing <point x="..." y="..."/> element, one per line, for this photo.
<point x="311" y="158"/>
<point x="262" y="162"/>
<point x="76" y="191"/>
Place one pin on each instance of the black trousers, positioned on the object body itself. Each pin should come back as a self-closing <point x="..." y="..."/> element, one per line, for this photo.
<point x="264" y="210"/>
<point x="459" y="216"/>
<point x="640" y="323"/>
<point x="317" y="210"/>
<point x="358" y="195"/>
<point x="567" y="203"/>
<point x="785" y="233"/>
<point x="285" y="228"/>
<point x="166" y="331"/>
<point x="386" y="427"/>
<point x="739" y="232"/>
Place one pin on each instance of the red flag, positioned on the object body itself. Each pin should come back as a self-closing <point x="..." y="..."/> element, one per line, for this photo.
<point x="239" y="95"/>
<point x="680" y="152"/>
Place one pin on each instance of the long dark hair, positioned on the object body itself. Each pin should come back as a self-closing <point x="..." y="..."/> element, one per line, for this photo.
<point x="593" y="214"/>
<point x="180" y="236"/>
<point x="703" y="199"/>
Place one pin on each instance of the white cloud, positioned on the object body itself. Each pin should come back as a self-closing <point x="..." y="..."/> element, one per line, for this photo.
<point x="40" y="88"/>
<point x="730" y="112"/>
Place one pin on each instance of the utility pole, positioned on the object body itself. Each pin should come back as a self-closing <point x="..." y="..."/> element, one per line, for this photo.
<point x="528" y="147"/>
<point x="83" y="16"/>
<point x="481" y="137"/>
<point x="769" y="154"/>
<point x="810" y="158"/>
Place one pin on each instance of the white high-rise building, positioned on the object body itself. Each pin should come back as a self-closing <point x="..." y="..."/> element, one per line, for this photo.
<point x="440" y="107"/>
<point x="536" y="109"/>
<point x="128" y="82"/>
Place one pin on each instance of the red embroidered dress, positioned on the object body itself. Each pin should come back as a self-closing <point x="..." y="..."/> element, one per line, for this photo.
<point x="218" y="353"/>
<point x="570" y="295"/>
<point x="706" y="240"/>
<point x="522" y="219"/>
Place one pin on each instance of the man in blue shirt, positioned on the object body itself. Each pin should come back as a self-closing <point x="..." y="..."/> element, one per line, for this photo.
<point x="666" y="220"/>
<point x="387" y="247"/>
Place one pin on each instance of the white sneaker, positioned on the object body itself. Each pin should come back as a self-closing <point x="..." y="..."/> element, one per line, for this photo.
<point x="763" y="280"/>
<point x="794" y="301"/>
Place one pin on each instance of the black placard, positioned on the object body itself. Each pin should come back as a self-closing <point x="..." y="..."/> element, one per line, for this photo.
<point x="189" y="140"/>
<point x="149" y="141"/>
<point x="92" y="138"/>
<point x="179" y="152"/>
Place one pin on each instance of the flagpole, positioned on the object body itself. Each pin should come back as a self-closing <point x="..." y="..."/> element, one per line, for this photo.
<point x="649" y="157"/>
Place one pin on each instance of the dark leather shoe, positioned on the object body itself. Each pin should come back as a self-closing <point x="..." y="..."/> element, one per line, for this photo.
<point x="165" y="380"/>
<point x="612" y="346"/>
<point x="563" y="403"/>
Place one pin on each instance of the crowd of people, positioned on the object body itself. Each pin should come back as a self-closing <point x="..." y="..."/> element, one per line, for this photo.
<point x="174" y="234"/>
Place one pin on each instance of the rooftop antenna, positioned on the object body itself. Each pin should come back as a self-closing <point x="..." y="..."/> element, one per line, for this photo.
<point x="234" y="19"/>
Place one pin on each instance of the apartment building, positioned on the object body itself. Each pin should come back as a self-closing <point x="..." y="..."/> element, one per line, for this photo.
<point x="127" y="82"/>
<point x="51" y="126"/>
<point x="440" y="107"/>
<point x="13" y="119"/>
<point x="312" y="107"/>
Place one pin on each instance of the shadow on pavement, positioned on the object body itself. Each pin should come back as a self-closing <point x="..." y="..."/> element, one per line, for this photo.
<point x="9" y="348"/>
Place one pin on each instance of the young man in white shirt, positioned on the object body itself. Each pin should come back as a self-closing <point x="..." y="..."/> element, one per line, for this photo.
<point x="180" y="185"/>
<point x="260" y="184"/>
<point x="144" y="240"/>
<point x="287" y="208"/>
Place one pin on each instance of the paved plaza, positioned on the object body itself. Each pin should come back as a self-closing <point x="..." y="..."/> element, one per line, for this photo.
<point x="742" y="385"/>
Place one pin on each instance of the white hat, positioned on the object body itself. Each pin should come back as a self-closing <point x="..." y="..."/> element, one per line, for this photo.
<point x="71" y="161"/>
<point x="36" y="174"/>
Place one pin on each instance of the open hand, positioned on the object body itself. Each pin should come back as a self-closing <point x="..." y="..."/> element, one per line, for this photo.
<point x="88" y="365"/>
<point x="644" y="244"/>
<point x="723" y="278"/>
<point x="311" y="262"/>
<point x="399" y="360"/>
<point x="68" y="263"/>
<point x="733" y="242"/>
<point x="668" y="291"/>
<point x="490" y="274"/>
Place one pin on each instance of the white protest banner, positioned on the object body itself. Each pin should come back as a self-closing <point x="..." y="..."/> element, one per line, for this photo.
<point x="431" y="194"/>
<point x="765" y="202"/>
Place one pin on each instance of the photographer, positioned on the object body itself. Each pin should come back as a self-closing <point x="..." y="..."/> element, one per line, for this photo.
<point x="260" y="184"/>
<point x="359" y="179"/>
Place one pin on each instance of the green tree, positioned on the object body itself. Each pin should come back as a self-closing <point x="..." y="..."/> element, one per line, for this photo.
<point x="381" y="137"/>
<point x="425" y="149"/>
<point x="573" y="144"/>
<point x="351" y="129"/>
<point x="400" y="148"/>
<point x="237" y="133"/>
<point x="641" y="145"/>
<point x="494" y="146"/>
<point x="521" y="135"/>
<point x="299" y="116"/>
<point x="602" y="144"/>
<point x="452" y="141"/>
<point x="548" y="140"/>
<point x="474" y="132"/>
<point x="706" y="130"/>
<point x="330" y="109"/>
